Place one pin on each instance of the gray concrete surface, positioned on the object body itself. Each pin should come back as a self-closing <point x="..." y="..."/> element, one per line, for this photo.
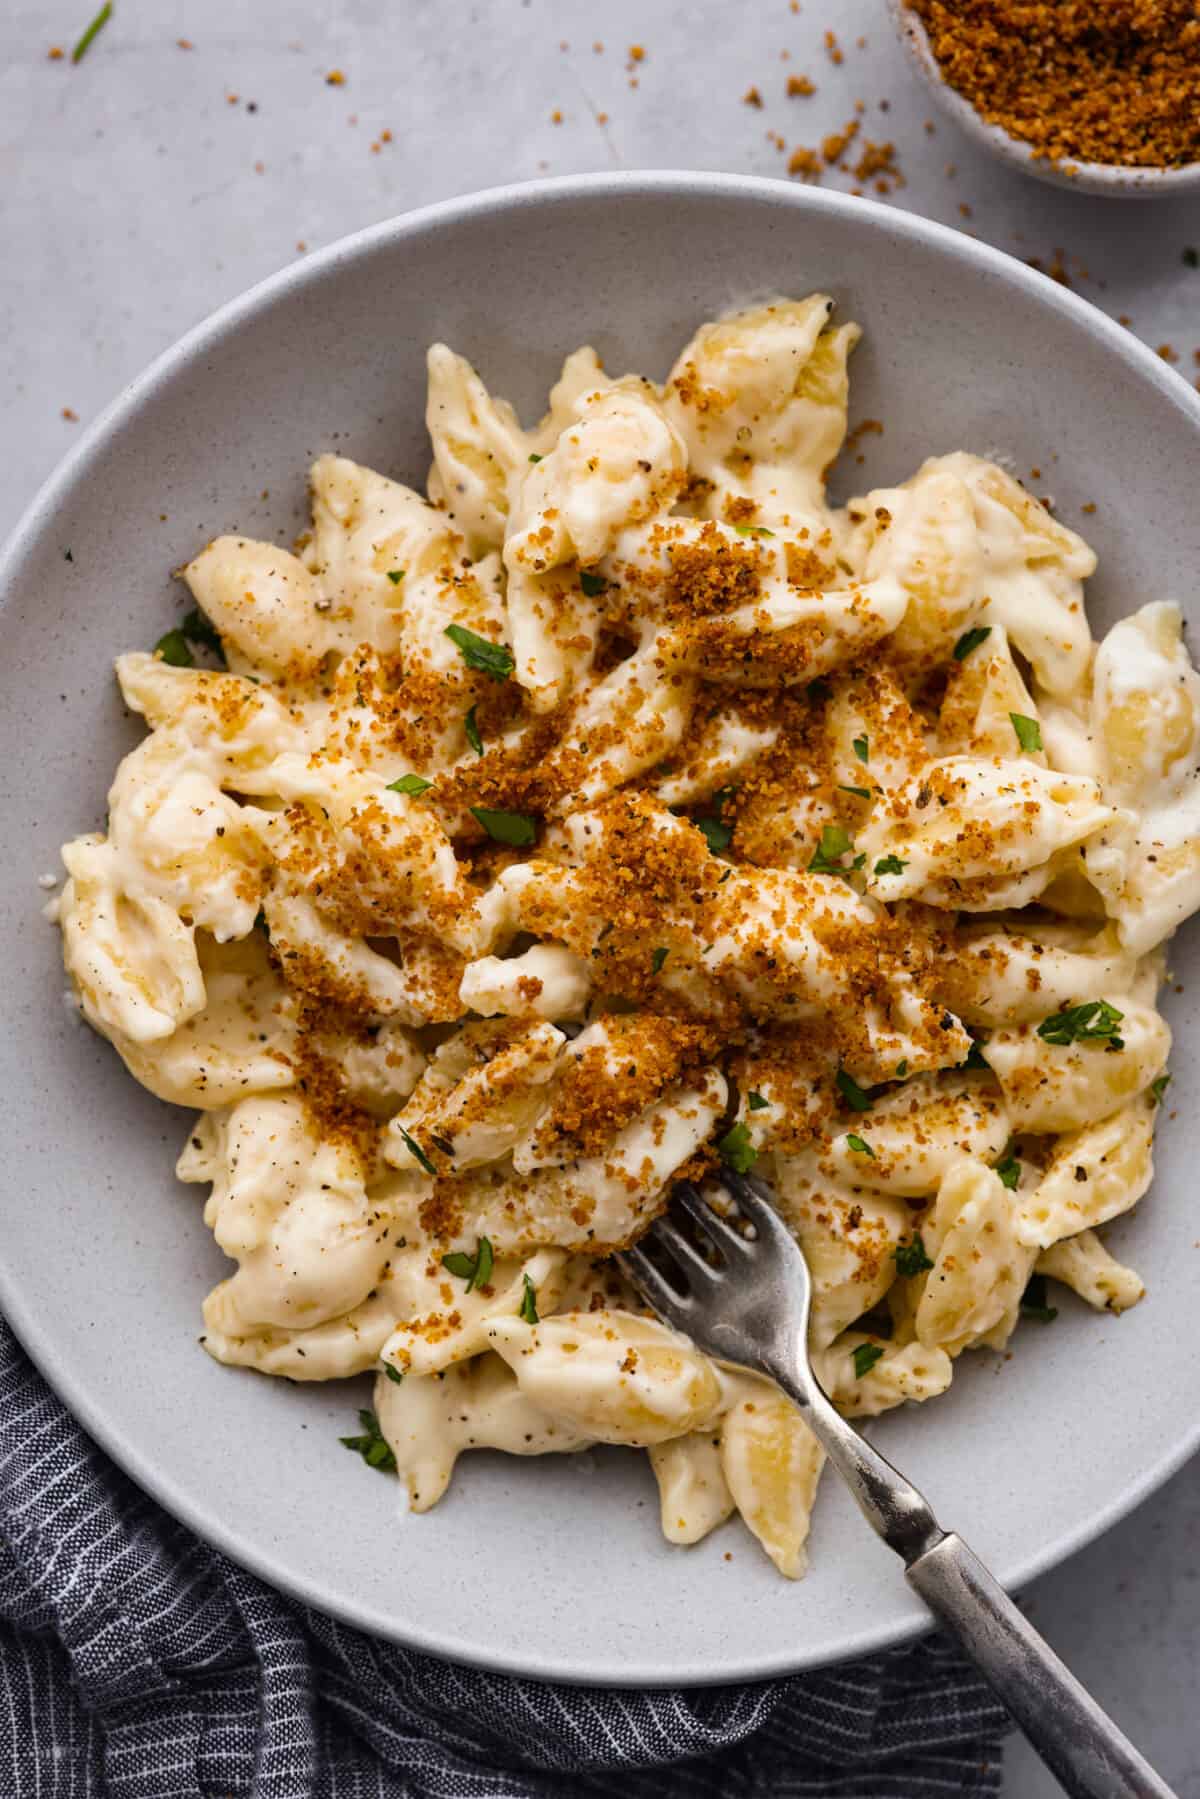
<point x="149" y="183"/>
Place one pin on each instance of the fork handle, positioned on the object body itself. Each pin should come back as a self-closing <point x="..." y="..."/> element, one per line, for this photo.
<point x="1073" y="1736"/>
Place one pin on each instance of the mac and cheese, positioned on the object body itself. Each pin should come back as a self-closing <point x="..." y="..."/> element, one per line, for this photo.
<point x="622" y="805"/>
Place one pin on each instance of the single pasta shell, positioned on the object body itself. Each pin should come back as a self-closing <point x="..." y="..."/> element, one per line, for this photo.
<point x="772" y="1462"/>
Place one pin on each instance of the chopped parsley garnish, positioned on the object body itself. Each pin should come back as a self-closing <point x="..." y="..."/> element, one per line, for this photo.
<point x="97" y="25"/>
<point x="415" y="1150"/>
<point x="471" y="727"/>
<point x="1028" y="730"/>
<point x="1009" y="1170"/>
<point x="657" y="959"/>
<point x="861" y="748"/>
<point x="911" y="1258"/>
<point x="534" y="457"/>
<point x="756" y="1101"/>
<point x="592" y="585"/>
<point x="1159" y="1087"/>
<point x="902" y="1069"/>
<point x="393" y="1373"/>
<point x="1033" y="1301"/>
<point x="753" y="531"/>
<point x="514" y="828"/>
<point x="529" y="1311"/>
<point x="851" y="1092"/>
<point x="835" y="843"/>
<point x="410" y="784"/>
<point x="199" y="629"/>
<point x="890" y="865"/>
<point x="479" y="653"/>
<point x="395" y="576"/>
<point x="860" y="1145"/>
<point x="476" y="1270"/>
<point x="372" y="1446"/>
<point x="865" y="1357"/>
<point x="1093" y="1021"/>
<point x="864" y="793"/>
<point x="173" y="648"/>
<point x="736" y="1149"/>
<point x="818" y="689"/>
<point x="970" y="640"/>
<point x="718" y="836"/>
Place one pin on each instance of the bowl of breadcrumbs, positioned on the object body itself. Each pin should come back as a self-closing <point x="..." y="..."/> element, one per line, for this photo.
<point x="1103" y="97"/>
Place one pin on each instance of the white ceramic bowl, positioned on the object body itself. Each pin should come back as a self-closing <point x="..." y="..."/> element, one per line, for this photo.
<point x="1121" y="181"/>
<point x="554" y="1566"/>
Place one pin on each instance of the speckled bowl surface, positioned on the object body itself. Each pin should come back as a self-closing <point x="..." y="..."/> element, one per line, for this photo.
<point x="1120" y="181"/>
<point x="554" y="1566"/>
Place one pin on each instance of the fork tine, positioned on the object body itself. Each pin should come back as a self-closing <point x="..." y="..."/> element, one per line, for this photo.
<point x="719" y="1229"/>
<point x="667" y="1235"/>
<point x="674" y="1308"/>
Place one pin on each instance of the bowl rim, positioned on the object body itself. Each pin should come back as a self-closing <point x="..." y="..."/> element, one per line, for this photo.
<point x="36" y="1334"/>
<point x="1116" y="180"/>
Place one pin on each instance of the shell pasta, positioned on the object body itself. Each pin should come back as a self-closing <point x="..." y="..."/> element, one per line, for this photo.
<point x="619" y="808"/>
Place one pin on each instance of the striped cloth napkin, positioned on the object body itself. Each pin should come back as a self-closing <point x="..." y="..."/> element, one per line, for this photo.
<point x="138" y="1663"/>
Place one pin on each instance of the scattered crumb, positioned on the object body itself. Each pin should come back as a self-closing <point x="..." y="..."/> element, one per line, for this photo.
<point x="232" y="99"/>
<point x="335" y="78"/>
<point x="385" y="136"/>
<point x="185" y="43"/>
<point x="556" y="117"/>
<point x="1057" y="269"/>
<point x="1089" y="507"/>
<point x="602" y="118"/>
<point x="1168" y="352"/>
<point x="598" y="48"/>
<point x="47" y="881"/>
<point x="806" y="163"/>
<point x="833" y="48"/>
<point x="260" y="168"/>
<point x="878" y="163"/>
<point x="55" y="53"/>
<point x="752" y="97"/>
<point x="965" y="210"/>
<point x="930" y="128"/>
<point x="1123" y="318"/>
<point x="70" y="414"/>
<point x="637" y="53"/>
<point x="301" y="245"/>
<point x="834" y="147"/>
<point x="799" y="87"/>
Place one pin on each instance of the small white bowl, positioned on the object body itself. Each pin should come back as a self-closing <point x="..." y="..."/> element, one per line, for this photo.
<point x="1122" y="181"/>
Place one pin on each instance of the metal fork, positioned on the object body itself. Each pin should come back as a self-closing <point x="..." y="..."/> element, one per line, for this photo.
<point x="751" y="1308"/>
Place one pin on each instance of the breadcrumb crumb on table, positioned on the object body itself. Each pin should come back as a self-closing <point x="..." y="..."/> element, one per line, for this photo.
<point x="805" y="163"/>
